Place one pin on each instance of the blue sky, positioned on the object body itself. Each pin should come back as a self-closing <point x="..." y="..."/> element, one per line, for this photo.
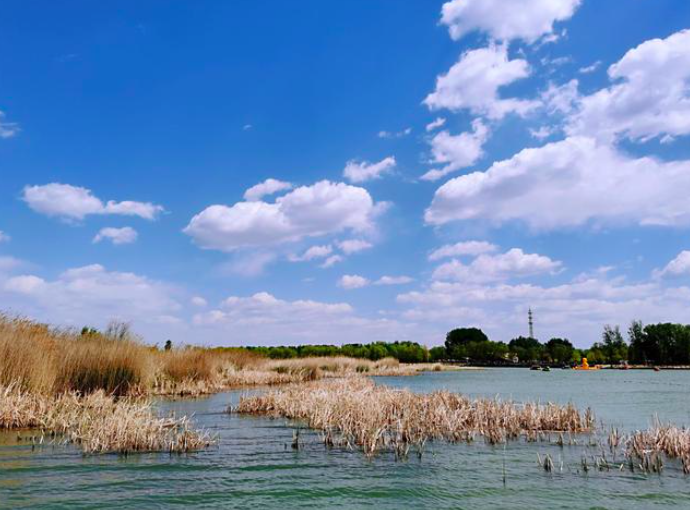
<point x="425" y="165"/>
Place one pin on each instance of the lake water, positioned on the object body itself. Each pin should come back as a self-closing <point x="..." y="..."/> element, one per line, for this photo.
<point x="253" y="465"/>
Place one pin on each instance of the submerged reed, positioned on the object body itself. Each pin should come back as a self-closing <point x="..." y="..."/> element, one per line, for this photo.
<point x="98" y="423"/>
<point x="357" y="413"/>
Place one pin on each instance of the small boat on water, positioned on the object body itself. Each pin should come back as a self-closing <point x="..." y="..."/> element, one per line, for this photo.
<point x="546" y="369"/>
<point x="535" y="367"/>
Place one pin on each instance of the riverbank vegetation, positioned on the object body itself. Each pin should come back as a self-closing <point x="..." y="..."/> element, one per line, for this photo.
<point x="356" y="413"/>
<point x="97" y="422"/>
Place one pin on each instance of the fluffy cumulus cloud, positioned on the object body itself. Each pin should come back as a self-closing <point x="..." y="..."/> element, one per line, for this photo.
<point x="349" y="246"/>
<point x="471" y="248"/>
<point x="267" y="187"/>
<point x="75" y="203"/>
<point x="569" y="183"/>
<point x="308" y="211"/>
<point x="7" y="129"/>
<point x="456" y="152"/>
<point x="576" y="309"/>
<point x="198" y="301"/>
<point x="268" y="320"/>
<point x="514" y="263"/>
<point x="363" y="171"/>
<point x="352" y="281"/>
<point x="89" y="294"/>
<point x="124" y="235"/>
<point x="473" y="83"/>
<point x="528" y="20"/>
<point x="679" y="266"/>
<point x="314" y="252"/>
<point x="650" y="96"/>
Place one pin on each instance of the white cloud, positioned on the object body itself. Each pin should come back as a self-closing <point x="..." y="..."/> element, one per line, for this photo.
<point x="198" y="301"/>
<point x="267" y="187"/>
<point x="350" y="246"/>
<point x="4" y="238"/>
<point x="677" y="267"/>
<point x="435" y="124"/>
<point x="362" y="171"/>
<point x="124" y="235"/>
<point x="650" y="96"/>
<point x="568" y="183"/>
<point x="7" y="129"/>
<point x="247" y="127"/>
<point x="315" y="252"/>
<point x="472" y="248"/>
<point x="575" y="310"/>
<point x="473" y="83"/>
<point x="395" y="134"/>
<point x="514" y="263"/>
<point x="457" y="152"/>
<point x="590" y="68"/>
<point x="308" y="211"/>
<point x="528" y="20"/>
<point x="75" y="203"/>
<point x="331" y="261"/>
<point x="9" y="263"/>
<point x="263" y="308"/>
<point x="352" y="281"/>
<point x="542" y="133"/>
<point x="249" y="264"/>
<point x="561" y="98"/>
<point x="393" y="280"/>
<point x="91" y="293"/>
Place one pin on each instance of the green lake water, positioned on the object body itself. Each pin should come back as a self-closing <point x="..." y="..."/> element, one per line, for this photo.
<point x="253" y="465"/>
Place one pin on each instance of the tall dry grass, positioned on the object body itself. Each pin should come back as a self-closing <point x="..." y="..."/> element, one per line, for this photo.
<point x="357" y="413"/>
<point x="46" y="360"/>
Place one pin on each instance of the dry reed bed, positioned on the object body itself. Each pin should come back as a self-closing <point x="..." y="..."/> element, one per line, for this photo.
<point x="98" y="423"/>
<point x="646" y="447"/>
<point x="356" y="413"/>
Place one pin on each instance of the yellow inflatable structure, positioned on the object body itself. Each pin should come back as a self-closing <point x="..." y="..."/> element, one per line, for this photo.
<point x="585" y="366"/>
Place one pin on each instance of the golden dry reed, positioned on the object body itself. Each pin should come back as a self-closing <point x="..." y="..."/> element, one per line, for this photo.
<point x="356" y="413"/>
<point x="46" y="360"/>
<point x="98" y="422"/>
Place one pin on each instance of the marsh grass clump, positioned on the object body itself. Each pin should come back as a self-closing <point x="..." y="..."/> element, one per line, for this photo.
<point x="98" y="423"/>
<point x="356" y="413"/>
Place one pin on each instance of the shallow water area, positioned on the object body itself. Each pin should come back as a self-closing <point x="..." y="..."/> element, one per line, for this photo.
<point x="253" y="464"/>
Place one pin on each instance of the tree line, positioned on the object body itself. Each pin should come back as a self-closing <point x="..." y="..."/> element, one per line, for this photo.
<point x="655" y="344"/>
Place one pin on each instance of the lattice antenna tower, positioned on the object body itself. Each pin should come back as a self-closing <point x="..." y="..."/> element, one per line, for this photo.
<point x="530" y="320"/>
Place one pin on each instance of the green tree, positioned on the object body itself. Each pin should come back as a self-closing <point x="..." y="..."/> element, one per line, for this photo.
<point x="559" y="350"/>
<point x="528" y="350"/>
<point x="614" y="347"/>
<point x="458" y="339"/>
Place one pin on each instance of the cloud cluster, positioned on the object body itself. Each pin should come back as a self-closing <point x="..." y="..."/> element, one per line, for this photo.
<point x="267" y="187"/>
<point x="353" y="281"/>
<point x="514" y="263"/>
<point x="566" y="184"/>
<point x="124" y="235"/>
<point x="506" y="20"/>
<point x="679" y="266"/>
<point x="473" y="83"/>
<point x="456" y="152"/>
<point x="471" y="248"/>
<point x="649" y="98"/>
<point x="75" y="203"/>
<point x="308" y="211"/>
<point x="363" y="171"/>
<point x="91" y="293"/>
